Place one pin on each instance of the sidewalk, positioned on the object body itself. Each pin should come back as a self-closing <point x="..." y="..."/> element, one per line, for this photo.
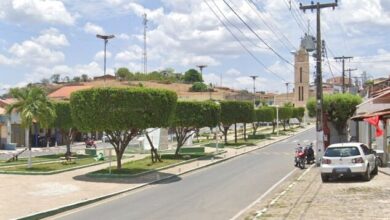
<point x="24" y="194"/>
<point x="309" y="198"/>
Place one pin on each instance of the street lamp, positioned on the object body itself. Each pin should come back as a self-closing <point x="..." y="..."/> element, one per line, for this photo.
<point x="254" y="90"/>
<point x="105" y="38"/>
<point x="201" y="67"/>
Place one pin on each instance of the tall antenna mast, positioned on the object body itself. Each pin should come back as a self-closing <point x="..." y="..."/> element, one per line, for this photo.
<point x="145" y="22"/>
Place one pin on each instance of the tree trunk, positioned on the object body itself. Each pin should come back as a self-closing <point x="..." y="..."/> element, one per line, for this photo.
<point x="255" y="126"/>
<point x="68" y="139"/>
<point x="27" y="143"/>
<point x="224" y="131"/>
<point x="284" y="125"/>
<point x="235" y="133"/>
<point x="153" y="150"/>
<point x="244" y="131"/>
<point x="273" y="127"/>
<point x="118" y="160"/>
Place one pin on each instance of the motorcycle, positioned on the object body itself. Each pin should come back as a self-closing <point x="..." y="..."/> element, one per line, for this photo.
<point x="310" y="155"/>
<point x="90" y="142"/>
<point x="300" y="158"/>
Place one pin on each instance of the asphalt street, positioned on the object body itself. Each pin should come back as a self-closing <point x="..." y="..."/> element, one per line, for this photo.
<point x="216" y="192"/>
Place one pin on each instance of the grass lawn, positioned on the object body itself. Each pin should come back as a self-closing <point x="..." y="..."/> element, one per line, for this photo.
<point x="143" y="165"/>
<point x="37" y="159"/>
<point x="54" y="164"/>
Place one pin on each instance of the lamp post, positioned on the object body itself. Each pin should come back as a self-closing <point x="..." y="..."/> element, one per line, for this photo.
<point x="201" y="67"/>
<point x="105" y="38"/>
<point x="254" y="90"/>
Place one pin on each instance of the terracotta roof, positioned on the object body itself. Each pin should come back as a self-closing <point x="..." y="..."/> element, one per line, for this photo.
<point x="66" y="91"/>
<point x="382" y="114"/>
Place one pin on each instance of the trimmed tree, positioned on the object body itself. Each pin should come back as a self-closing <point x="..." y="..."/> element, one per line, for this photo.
<point x="191" y="116"/>
<point x="122" y="113"/>
<point x="63" y="121"/>
<point x="338" y="109"/>
<point x="233" y="112"/>
<point x="263" y="114"/>
<point x="298" y="113"/>
<point x="192" y="76"/>
<point x="285" y="113"/>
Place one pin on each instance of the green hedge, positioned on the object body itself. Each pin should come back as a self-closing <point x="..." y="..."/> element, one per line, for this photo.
<point x="192" y="150"/>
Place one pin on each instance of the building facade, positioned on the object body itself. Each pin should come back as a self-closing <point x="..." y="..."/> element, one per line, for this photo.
<point x="301" y="78"/>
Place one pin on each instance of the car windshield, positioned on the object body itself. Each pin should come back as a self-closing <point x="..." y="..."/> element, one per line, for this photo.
<point x="342" y="152"/>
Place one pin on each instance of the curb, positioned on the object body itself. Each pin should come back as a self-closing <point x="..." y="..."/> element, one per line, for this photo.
<point x="287" y="189"/>
<point x="101" y="175"/>
<point x="54" y="211"/>
<point x="383" y="172"/>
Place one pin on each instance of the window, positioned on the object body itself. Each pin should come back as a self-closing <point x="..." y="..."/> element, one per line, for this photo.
<point x="300" y="74"/>
<point x="342" y="152"/>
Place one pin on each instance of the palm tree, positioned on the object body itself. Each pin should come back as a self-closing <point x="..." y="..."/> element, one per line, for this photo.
<point x="34" y="107"/>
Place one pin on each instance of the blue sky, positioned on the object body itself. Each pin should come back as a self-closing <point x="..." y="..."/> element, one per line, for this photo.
<point x="39" y="38"/>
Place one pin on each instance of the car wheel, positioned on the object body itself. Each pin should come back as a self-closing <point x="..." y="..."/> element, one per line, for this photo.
<point x="375" y="170"/>
<point x="324" y="178"/>
<point x="367" y="175"/>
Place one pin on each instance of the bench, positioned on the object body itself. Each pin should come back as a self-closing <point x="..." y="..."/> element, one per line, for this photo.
<point x="68" y="160"/>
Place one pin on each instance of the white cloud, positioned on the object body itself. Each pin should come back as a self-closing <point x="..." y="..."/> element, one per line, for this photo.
<point x="100" y="55"/>
<point x="32" y="52"/>
<point x="139" y="10"/>
<point x="93" y="28"/>
<point x="25" y="11"/>
<point x="52" y="37"/>
<point x="41" y="50"/>
<point x="6" y="61"/>
<point x="131" y="54"/>
<point x="123" y="36"/>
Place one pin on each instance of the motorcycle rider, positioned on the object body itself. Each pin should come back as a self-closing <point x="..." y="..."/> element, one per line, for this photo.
<point x="310" y="153"/>
<point x="297" y="150"/>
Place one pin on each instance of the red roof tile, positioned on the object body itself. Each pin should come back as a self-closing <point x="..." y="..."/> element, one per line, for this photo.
<point x="66" y="91"/>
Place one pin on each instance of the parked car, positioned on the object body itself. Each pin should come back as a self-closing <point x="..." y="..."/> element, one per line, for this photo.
<point x="348" y="159"/>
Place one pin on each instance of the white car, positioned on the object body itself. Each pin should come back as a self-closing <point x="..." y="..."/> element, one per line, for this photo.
<point x="348" y="159"/>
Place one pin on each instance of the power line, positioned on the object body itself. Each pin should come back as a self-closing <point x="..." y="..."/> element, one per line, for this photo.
<point x="254" y="32"/>
<point x="239" y="41"/>
<point x="236" y="27"/>
<point x="295" y="17"/>
<point x="280" y="33"/>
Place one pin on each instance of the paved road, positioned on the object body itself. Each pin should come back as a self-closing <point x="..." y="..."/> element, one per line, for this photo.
<point x="217" y="192"/>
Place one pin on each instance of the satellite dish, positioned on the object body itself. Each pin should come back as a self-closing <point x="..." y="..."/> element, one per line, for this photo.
<point x="308" y="43"/>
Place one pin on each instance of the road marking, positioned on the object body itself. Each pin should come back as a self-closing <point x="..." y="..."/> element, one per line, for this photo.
<point x="295" y="141"/>
<point x="260" y="213"/>
<point x="262" y="196"/>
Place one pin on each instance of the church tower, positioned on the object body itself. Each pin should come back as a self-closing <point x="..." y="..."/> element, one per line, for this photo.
<point x="301" y="77"/>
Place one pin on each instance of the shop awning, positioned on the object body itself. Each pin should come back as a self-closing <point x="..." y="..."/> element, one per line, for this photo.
<point x="382" y="115"/>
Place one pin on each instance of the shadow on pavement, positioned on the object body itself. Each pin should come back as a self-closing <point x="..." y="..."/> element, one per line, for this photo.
<point x="147" y="178"/>
<point x="344" y="179"/>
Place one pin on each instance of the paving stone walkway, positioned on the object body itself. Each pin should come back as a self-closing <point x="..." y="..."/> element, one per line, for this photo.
<point x="309" y="198"/>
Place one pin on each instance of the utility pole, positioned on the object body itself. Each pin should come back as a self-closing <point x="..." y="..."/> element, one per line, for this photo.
<point x="350" y="78"/>
<point x="287" y="92"/>
<point x="343" y="58"/>
<point x="254" y="90"/>
<point x="319" y="98"/>
<point x="145" y="22"/>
